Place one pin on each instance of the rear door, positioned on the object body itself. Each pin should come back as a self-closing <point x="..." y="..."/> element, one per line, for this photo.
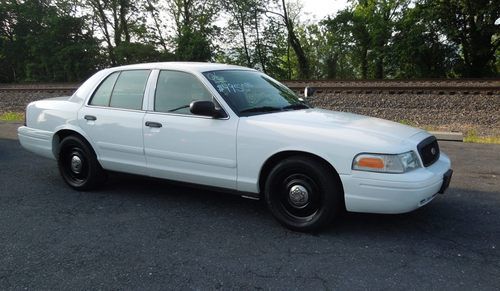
<point x="113" y="119"/>
<point x="186" y="147"/>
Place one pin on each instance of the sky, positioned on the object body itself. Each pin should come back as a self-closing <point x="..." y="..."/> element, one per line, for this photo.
<point x="320" y="8"/>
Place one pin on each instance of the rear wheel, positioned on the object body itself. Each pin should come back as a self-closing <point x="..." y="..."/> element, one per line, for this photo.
<point x="303" y="193"/>
<point x="78" y="164"/>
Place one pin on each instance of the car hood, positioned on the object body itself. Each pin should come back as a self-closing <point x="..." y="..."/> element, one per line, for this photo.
<point x="354" y="128"/>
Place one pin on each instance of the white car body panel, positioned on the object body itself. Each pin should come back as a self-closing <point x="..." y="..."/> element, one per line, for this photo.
<point x="36" y="140"/>
<point x="393" y="193"/>
<point x="230" y="152"/>
<point x="192" y="149"/>
<point x="118" y="145"/>
<point x="333" y="136"/>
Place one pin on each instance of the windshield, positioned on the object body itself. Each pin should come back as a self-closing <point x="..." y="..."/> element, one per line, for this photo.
<point x="250" y="92"/>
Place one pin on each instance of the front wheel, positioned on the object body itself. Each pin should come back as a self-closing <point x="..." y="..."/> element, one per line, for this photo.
<point x="303" y="193"/>
<point x="78" y="164"/>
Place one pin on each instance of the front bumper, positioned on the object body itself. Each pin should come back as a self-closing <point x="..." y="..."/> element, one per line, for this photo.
<point x="395" y="193"/>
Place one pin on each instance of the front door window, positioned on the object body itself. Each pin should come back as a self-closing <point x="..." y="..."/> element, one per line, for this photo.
<point x="176" y="90"/>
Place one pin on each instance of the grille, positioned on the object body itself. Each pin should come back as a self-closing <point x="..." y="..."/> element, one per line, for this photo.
<point x="428" y="150"/>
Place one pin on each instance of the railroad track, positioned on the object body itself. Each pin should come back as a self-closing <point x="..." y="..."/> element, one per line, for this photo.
<point x="401" y="90"/>
<point x="429" y="86"/>
<point x="37" y="89"/>
<point x="425" y="86"/>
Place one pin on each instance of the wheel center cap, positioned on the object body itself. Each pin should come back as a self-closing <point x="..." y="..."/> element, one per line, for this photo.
<point x="76" y="164"/>
<point x="298" y="195"/>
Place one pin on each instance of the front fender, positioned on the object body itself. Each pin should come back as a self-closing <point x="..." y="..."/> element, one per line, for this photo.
<point x="252" y="162"/>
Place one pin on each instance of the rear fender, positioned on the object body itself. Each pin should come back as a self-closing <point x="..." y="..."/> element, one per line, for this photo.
<point x="56" y="140"/>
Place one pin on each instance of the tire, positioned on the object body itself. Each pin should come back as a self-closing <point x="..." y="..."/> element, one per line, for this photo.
<point x="303" y="194"/>
<point x="78" y="164"/>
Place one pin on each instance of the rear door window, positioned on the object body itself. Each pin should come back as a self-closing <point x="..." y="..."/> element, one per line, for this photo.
<point x="129" y="89"/>
<point x="103" y="93"/>
<point x="122" y="90"/>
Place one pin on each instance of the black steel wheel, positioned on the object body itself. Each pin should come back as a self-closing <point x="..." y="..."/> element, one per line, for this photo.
<point x="78" y="164"/>
<point x="303" y="193"/>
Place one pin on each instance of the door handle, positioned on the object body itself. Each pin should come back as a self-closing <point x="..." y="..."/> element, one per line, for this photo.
<point x="90" y="117"/>
<point x="153" y="124"/>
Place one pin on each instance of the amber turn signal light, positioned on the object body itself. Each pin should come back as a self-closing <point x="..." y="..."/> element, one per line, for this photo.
<point x="373" y="163"/>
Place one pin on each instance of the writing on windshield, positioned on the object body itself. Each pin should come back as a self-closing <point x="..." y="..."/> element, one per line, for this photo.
<point x="252" y="92"/>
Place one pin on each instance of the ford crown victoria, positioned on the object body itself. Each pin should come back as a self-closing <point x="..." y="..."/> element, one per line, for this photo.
<point x="235" y="128"/>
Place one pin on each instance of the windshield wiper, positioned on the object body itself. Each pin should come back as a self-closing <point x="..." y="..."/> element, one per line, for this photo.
<point x="296" y="106"/>
<point x="261" y="109"/>
<point x="179" y="108"/>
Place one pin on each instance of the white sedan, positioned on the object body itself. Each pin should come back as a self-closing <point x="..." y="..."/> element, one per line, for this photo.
<point x="231" y="127"/>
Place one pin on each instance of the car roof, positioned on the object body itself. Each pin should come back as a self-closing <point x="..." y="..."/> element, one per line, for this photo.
<point x="182" y="66"/>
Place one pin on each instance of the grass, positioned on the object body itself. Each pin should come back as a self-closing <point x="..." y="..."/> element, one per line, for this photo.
<point x="12" y="116"/>
<point x="471" y="136"/>
<point x="407" y="122"/>
<point x="413" y="124"/>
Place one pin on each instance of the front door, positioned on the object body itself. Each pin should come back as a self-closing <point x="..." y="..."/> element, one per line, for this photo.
<point x="185" y="147"/>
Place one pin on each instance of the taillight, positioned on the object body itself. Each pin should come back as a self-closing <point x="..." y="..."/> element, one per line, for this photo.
<point x="25" y="113"/>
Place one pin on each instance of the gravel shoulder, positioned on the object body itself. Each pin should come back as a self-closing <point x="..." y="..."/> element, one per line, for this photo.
<point x="463" y="113"/>
<point x="473" y="113"/>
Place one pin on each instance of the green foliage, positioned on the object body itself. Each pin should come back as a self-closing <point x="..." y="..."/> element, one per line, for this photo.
<point x="133" y="53"/>
<point x="417" y="51"/>
<point x="194" y="26"/>
<point x="40" y="44"/>
<point x="470" y="25"/>
<point x="193" y="46"/>
<point x="344" y="45"/>
<point x="66" y="40"/>
<point x="446" y="38"/>
<point x="472" y="137"/>
<point x="407" y="122"/>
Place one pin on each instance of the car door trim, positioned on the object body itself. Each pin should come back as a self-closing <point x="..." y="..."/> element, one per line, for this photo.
<point x="120" y="148"/>
<point x="185" y="115"/>
<point x="196" y="159"/>
<point x="152" y="92"/>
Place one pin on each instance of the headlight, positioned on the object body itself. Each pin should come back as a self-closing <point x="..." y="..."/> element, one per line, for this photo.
<point x="383" y="163"/>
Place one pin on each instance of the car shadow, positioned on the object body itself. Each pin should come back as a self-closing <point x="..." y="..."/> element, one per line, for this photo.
<point x="439" y="214"/>
<point x="460" y="212"/>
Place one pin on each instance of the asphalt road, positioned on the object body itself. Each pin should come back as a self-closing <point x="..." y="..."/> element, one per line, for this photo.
<point x="140" y="233"/>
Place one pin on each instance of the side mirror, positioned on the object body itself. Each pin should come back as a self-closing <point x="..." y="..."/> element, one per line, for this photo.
<point x="309" y="91"/>
<point x="206" y="108"/>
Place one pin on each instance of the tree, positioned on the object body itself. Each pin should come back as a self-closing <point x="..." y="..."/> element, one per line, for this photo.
<point x="418" y="50"/>
<point x="379" y="18"/>
<point x="241" y="12"/>
<point x="289" y="16"/>
<point x="194" y="28"/>
<point x="111" y="18"/>
<point x="152" y="6"/>
<point x="272" y="49"/>
<point x="344" y="43"/>
<point x="8" y="56"/>
<point x="41" y="42"/>
<point x="470" y="24"/>
<point x="67" y="40"/>
<point x="124" y="30"/>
